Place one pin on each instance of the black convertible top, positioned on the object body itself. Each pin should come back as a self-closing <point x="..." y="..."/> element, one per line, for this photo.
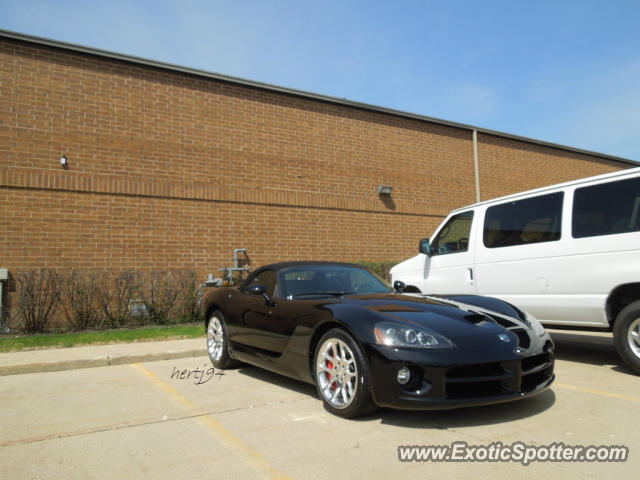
<point x="282" y="265"/>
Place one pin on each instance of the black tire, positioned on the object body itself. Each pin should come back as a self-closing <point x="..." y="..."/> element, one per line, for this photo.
<point x="218" y="342"/>
<point x="342" y="374"/>
<point x="626" y="335"/>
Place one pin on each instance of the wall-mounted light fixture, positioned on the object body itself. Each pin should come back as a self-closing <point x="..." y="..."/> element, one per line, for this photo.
<point x="63" y="161"/>
<point x="385" y="190"/>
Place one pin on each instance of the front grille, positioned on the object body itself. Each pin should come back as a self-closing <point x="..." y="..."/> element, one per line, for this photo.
<point x="478" y="389"/>
<point x="475" y="371"/>
<point x="535" y="363"/>
<point x="478" y="380"/>
<point x="530" y="382"/>
<point x="536" y="370"/>
<point x="498" y="378"/>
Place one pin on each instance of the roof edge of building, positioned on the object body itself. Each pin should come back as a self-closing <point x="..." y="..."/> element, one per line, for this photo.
<point x="294" y="92"/>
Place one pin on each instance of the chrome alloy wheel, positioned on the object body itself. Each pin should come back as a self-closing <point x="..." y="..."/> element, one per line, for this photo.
<point x="215" y="338"/>
<point x="337" y="373"/>
<point x="633" y="337"/>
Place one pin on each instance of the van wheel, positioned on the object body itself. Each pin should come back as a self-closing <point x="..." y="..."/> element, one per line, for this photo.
<point x="626" y="335"/>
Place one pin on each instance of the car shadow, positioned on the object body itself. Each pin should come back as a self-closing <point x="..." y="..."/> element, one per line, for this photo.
<point x="439" y="419"/>
<point x="277" y="379"/>
<point x="597" y="350"/>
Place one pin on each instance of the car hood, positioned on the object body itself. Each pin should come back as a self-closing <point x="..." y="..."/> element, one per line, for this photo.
<point x="448" y="317"/>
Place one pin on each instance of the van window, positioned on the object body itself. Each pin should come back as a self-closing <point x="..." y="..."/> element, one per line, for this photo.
<point x="606" y="209"/>
<point x="532" y="220"/>
<point x="454" y="236"/>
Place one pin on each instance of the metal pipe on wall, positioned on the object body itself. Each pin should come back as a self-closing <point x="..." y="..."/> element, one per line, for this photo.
<point x="4" y="276"/>
<point x="475" y="164"/>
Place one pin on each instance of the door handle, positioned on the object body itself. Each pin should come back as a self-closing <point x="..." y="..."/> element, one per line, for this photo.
<point x="470" y="275"/>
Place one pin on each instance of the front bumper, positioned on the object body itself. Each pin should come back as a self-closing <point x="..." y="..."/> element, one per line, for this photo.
<point x="449" y="379"/>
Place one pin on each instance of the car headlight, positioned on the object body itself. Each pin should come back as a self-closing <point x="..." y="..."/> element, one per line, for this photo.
<point x="536" y="326"/>
<point x="394" y="335"/>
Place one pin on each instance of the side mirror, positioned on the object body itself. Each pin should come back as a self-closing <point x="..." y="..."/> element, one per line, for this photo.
<point x="425" y="246"/>
<point x="259" y="289"/>
<point x="398" y="286"/>
<point x="256" y="289"/>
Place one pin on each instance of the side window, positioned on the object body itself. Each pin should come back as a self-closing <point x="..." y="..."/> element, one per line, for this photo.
<point x="298" y="282"/>
<point x="454" y="236"/>
<point x="268" y="279"/>
<point x="606" y="209"/>
<point x="532" y="220"/>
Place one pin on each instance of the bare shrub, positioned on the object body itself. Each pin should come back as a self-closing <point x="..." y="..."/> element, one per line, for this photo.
<point x="80" y="300"/>
<point x="106" y="300"/>
<point x="38" y="293"/>
<point x="159" y="293"/>
<point x="114" y="295"/>
<point x="379" y="268"/>
<point x="189" y="301"/>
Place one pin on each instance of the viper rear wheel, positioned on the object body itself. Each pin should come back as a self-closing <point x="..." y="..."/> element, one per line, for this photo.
<point x="218" y="342"/>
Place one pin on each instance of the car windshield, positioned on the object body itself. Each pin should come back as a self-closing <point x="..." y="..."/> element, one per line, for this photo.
<point x="329" y="280"/>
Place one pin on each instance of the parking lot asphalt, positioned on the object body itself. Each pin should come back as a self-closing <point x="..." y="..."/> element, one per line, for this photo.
<point x="178" y="418"/>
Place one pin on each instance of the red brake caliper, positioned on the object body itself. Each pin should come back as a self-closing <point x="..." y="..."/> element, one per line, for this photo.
<point x="334" y="385"/>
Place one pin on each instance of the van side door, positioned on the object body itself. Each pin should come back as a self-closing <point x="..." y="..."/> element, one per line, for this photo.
<point x="517" y="261"/>
<point x="449" y="267"/>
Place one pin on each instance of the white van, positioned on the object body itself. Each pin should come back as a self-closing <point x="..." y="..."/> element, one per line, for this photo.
<point x="569" y="254"/>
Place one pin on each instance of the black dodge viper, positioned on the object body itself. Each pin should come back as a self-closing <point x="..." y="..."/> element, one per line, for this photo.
<point x="365" y="344"/>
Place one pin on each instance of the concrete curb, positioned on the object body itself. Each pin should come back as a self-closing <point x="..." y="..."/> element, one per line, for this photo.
<point x="98" y="361"/>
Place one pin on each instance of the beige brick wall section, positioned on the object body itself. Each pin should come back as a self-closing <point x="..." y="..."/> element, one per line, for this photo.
<point x="507" y="166"/>
<point x="171" y="170"/>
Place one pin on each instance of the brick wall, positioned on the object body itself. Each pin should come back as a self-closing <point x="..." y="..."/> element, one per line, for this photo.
<point x="508" y="166"/>
<point x="172" y="170"/>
